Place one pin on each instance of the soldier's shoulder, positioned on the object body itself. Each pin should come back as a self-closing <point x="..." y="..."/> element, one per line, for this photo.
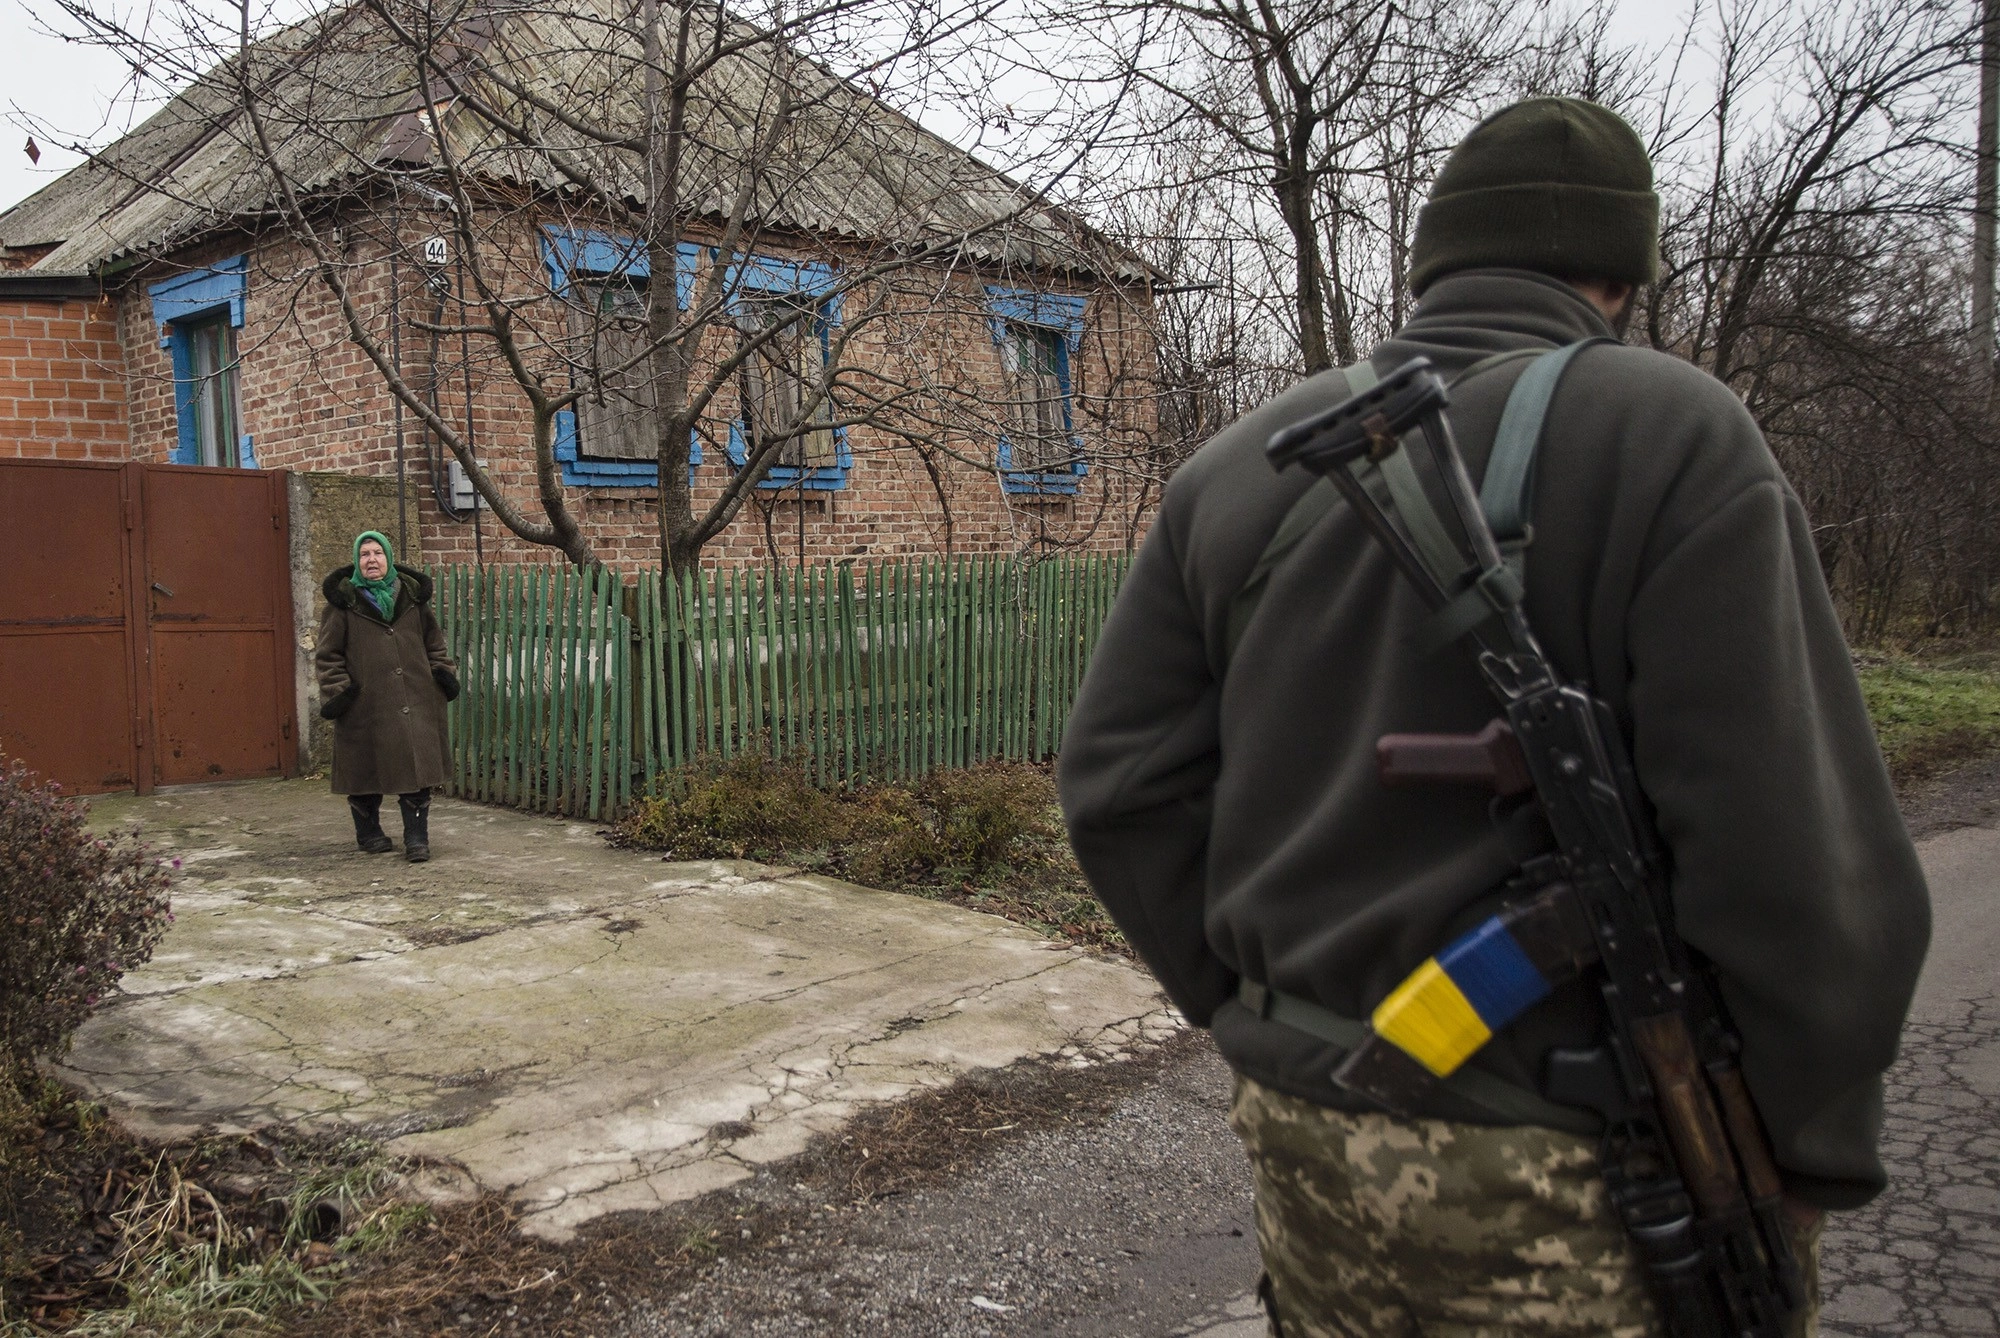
<point x="1661" y="433"/>
<point x="1663" y="382"/>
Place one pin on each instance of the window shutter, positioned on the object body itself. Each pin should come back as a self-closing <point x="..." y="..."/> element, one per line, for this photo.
<point x="1037" y="437"/>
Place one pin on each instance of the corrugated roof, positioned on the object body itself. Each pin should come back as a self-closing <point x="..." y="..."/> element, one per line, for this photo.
<point x="339" y="96"/>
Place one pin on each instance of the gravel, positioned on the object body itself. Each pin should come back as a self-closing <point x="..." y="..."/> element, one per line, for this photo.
<point x="1120" y="1226"/>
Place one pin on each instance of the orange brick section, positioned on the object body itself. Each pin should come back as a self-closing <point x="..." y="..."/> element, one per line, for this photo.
<point x="62" y="380"/>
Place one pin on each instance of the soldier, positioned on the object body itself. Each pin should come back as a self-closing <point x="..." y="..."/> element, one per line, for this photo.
<point x="1219" y="784"/>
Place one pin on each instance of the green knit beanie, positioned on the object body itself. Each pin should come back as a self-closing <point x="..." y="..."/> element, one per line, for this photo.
<point x="1557" y="185"/>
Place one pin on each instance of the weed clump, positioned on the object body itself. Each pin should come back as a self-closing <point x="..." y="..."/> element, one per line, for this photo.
<point x="215" y="1235"/>
<point x="749" y="807"/>
<point x="988" y="837"/>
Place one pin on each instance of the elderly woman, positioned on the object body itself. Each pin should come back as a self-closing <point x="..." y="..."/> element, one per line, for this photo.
<point x="384" y="679"/>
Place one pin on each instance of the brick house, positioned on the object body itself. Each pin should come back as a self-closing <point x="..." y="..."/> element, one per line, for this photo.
<point x="156" y="304"/>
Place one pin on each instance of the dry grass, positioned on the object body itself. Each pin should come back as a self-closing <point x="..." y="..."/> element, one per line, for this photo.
<point x="183" y="1240"/>
<point x="988" y="838"/>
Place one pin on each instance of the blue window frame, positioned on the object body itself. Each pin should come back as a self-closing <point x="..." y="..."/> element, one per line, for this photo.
<point x="765" y="292"/>
<point x="1037" y="336"/>
<point x="198" y="314"/>
<point x="601" y="265"/>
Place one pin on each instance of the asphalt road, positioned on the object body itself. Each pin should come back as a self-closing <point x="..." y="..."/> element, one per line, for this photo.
<point x="1139" y="1224"/>
<point x="1924" y="1258"/>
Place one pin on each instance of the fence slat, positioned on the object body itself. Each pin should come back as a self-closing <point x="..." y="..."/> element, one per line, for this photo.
<point x="822" y="686"/>
<point x="596" y="666"/>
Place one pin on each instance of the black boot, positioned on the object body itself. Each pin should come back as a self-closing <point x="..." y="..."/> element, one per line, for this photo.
<point x="366" y="810"/>
<point x="416" y="825"/>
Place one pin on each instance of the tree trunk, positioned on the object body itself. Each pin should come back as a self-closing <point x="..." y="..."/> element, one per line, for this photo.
<point x="1983" y="206"/>
<point x="672" y="346"/>
<point x="1295" y="201"/>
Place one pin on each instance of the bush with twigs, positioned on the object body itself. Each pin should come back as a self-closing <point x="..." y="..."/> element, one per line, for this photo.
<point x="77" y="911"/>
<point x="987" y="837"/>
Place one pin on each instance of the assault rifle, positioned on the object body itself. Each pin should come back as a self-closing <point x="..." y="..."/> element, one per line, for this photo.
<point x="1685" y="1156"/>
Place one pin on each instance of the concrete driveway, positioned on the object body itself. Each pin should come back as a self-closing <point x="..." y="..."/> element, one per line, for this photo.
<point x="584" y="1028"/>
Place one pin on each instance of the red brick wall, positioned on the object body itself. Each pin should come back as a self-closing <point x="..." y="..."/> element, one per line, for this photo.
<point x="313" y="401"/>
<point x="62" y="390"/>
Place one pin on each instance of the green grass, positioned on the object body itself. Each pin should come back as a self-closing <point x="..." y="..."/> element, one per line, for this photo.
<point x="1929" y="716"/>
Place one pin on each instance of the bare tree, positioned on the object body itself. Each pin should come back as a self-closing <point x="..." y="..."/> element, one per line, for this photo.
<point x="1814" y="167"/>
<point x="1807" y="209"/>
<point x="671" y="230"/>
<point x="1324" y="115"/>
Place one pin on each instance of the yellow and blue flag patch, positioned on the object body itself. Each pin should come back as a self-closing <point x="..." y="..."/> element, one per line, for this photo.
<point x="1452" y="1004"/>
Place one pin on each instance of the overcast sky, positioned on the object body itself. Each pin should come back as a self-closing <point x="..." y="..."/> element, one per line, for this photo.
<point x="65" y="92"/>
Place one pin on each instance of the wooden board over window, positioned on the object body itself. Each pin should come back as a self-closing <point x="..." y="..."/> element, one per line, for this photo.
<point x="615" y="418"/>
<point x="781" y="375"/>
<point x="1037" y="421"/>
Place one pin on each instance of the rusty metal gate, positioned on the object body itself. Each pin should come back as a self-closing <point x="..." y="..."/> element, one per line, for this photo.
<point x="145" y="624"/>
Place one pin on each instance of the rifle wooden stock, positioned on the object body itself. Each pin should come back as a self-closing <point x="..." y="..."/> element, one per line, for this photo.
<point x="1760" y="1173"/>
<point x="1746" y="1132"/>
<point x="1689" y="1115"/>
<point x="1491" y="758"/>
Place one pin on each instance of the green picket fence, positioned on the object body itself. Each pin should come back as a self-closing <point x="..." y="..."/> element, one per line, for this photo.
<point x="579" y="687"/>
<point x="544" y="655"/>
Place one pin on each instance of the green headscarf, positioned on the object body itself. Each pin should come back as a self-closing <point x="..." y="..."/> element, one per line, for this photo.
<point x="381" y="593"/>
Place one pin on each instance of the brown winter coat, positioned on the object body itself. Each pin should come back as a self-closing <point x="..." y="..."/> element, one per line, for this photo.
<point x="391" y="737"/>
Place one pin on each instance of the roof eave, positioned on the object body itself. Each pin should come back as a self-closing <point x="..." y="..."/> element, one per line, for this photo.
<point x="28" y="286"/>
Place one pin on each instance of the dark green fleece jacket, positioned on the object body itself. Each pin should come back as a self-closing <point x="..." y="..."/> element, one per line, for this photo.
<point x="1230" y="818"/>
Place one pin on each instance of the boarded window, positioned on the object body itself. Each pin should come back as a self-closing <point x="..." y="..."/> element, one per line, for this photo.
<point x="614" y="416"/>
<point x="1037" y="413"/>
<point x="781" y="376"/>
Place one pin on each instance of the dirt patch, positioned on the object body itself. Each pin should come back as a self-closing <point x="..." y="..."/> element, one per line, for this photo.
<point x="470" y="1269"/>
<point x="1965" y="796"/>
<point x="294" y="1235"/>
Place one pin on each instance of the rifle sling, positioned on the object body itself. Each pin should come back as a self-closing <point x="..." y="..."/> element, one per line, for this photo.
<point x="1505" y="496"/>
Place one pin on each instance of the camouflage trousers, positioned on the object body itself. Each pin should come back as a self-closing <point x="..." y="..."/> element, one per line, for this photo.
<point x="1378" y="1227"/>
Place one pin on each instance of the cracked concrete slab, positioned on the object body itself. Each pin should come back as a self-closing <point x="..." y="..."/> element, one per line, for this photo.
<point x="587" y="1029"/>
